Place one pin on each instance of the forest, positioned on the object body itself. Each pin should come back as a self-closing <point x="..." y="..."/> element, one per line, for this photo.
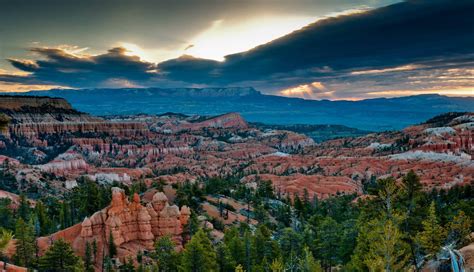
<point x="396" y="226"/>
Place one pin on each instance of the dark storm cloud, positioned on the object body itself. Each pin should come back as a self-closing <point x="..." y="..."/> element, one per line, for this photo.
<point x="395" y="35"/>
<point x="421" y="35"/>
<point x="61" y="67"/>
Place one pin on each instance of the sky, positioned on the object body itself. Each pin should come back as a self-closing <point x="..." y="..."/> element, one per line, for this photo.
<point x="313" y="49"/>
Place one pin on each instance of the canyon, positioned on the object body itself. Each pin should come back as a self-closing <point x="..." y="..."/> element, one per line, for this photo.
<point x="175" y="147"/>
<point x="47" y="146"/>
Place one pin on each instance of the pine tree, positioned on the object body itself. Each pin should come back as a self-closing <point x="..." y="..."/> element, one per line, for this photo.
<point x="7" y="219"/>
<point x="248" y="250"/>
<point x="433" y="235"/>
<point x="65" y="219"/>
<point x="199" y="255"/>
<point x="263" y="246"/>
<point x="460" y="228"/>
<point x="88" y="258"/>
<point x="112" y="246"/>
<point x="307" y="263"/>
<point x="25" y="243"/>
<point x="411" y="196"/>
<point x="328" y="241"/>
<point x="386" y="249"/>
<point x="24" y="208"/>
<point x="225" y="262"/>
<point x="165" y="254"/>
<point x="5" y="238"/>
<point x="235" y="245"/>
<point x="94" y="250"/>
<point x="60" y="258"/>
<point x="388" y="193"/>
<point x="43" y="219"/>
<point x="277" y="266"/>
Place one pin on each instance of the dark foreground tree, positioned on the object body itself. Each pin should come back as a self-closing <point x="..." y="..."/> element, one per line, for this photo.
<point x="165" y="254"/>
<point x="199" y="254"/>
<point x="60" y="258"/>
<point x="25" y="243"/>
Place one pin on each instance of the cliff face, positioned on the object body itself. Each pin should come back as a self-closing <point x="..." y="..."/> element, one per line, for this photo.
<point x="134" y="226"/>
<point x="230" y="120"/>
<point x="17" y="103"/>
<point x="31" y="109"/>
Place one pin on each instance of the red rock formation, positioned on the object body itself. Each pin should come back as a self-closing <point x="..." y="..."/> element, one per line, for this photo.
<point x="109" y="128"/>
<point x="19" y="102"/>
<point x="134" y="227"/>
<point x="229" y="120"/>
<point x="6" y="267"/>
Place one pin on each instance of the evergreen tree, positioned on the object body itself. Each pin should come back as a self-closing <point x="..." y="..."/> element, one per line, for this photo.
<point x="5" y="238"/>
<point x="7" y="219"/>
<point x="388" y="193"/>
<point x="89" y="193"/>
<point x="127" y="266"/>
<point x="60" y="258"/>
<point x="387" y="251"/>
<point x="64" y="215"/>
<point x="307" y="263"/>
<point x="165" y="254"/>
<point x="112" y="246"/>
<point x="94" y="250"/>
<point x="328" y="241"/>
<point x="192" y="226"/>
<point x="25" y="243"/>
<point x="24" y="208"/>
<point x="199" y="255"/>
<point x="291" y="246"/>
<point x="88" y="258"/>
<point x="234" y="243"/>
<point x="248" y="250"/>
<point x="263" y="246"/>
<point x="460" y="228"/>
<point x="433" y="235"/>
<point x="45" y="223"/>
<point x="411" y="198"/>
<point x="277" y="266"/>
<point x="225" y="262"/>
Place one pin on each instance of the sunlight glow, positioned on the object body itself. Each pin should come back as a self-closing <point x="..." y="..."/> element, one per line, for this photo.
<point x="222" y="39"/>
<point x="315" y="90"/>
<point x="149" y="54"/>
<point x="135" y="50"/>
<point x="448" y="91"/>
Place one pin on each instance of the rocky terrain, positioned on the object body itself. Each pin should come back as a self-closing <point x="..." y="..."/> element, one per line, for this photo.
<point x="46" y="147"/>
<point x="173" y="148"/>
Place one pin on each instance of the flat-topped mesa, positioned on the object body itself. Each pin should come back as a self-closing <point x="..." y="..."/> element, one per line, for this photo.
<point x="18" y="103"/>
<point x="134" y="227"/>
<point x="30" y="116"/>
<point x="31" y="109"/>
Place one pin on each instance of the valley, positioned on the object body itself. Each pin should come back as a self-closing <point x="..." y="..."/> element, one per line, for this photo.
<point x="160" y="175"/>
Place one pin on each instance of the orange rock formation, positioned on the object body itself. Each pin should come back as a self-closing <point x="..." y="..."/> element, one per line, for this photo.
<point x="134" y="227"/>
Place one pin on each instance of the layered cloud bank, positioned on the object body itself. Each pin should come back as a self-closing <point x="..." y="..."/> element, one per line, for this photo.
<point x="407" y="48"/>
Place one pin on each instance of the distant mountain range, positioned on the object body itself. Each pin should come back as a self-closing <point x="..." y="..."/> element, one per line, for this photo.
<point x="371" y="114"/>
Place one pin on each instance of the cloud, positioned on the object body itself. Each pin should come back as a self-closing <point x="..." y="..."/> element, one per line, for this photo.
<point x="58" y="66"/>
<point x="413" y="45"/>
<point x="387" y="70"/>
